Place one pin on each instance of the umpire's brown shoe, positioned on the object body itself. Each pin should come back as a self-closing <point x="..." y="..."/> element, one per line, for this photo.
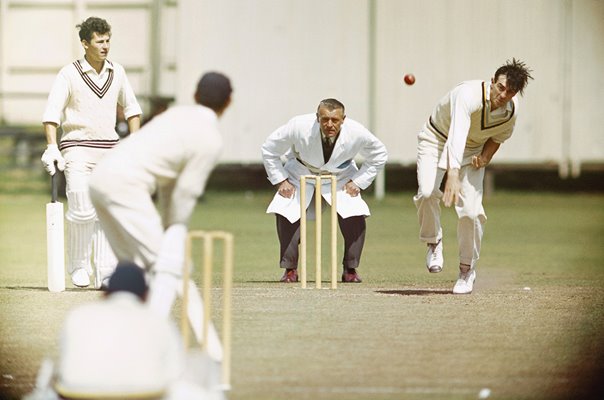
<point x="290" y="275"/>
<point x="350" y="276"/>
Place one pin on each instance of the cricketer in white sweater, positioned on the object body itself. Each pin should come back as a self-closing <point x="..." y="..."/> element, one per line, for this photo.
<point x="83" y="102"/>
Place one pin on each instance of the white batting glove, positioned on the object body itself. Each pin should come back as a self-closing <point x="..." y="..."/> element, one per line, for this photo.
<point x="52" y="154"/>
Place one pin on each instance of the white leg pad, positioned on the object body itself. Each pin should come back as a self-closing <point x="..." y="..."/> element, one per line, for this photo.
<point x="162" y="292"/>
<point x="196" y="313"/>
<point x="103" y="257"/>
<point x="167" y="270"/>
<point x="79" y="246"/>
<point x="171" y="256"/>
<point x="80" y="218"/>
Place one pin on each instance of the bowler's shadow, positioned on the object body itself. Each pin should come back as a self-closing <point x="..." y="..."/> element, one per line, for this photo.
<point x="415" y="292"/>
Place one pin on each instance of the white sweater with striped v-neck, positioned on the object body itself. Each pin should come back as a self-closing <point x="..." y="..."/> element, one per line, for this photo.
<point x="84" y="103"/>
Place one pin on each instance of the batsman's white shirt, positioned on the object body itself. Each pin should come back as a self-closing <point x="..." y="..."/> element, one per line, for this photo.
<point x="173" y="156"/>
<point x="117" y="347"/>
<point x="83" y="102"/>
<point x="300" y="142"/>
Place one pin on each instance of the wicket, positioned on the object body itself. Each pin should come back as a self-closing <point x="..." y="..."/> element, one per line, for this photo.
<point x="334" y="229"/>
<point x="208" y="238"/>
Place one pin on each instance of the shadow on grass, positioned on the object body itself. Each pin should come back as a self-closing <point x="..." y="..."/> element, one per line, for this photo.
<point x="415" y="292"/>
<point x="285" y="284"/>
<point x="45" y="289"/>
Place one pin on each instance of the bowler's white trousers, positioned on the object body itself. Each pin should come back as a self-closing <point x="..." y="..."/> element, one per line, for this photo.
<point x="427" y="200"/>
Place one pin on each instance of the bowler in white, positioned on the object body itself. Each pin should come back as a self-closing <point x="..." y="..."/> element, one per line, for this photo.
<point x="461" y="136"/>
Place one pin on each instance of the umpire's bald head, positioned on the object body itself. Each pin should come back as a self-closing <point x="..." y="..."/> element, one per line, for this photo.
<point x="214" y="91"/>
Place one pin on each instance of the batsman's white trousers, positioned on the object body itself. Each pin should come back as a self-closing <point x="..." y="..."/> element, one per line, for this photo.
<point x="86" y="239"/>
<point x="130" y="221"/>
<point x="469" y="208"/>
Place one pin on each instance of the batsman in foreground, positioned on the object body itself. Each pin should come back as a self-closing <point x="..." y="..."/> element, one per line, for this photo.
<point x="83" y="102"/>
<point x="460" y="138"/>
<point x="171" y="156"/>
<point x="314" y="144"/>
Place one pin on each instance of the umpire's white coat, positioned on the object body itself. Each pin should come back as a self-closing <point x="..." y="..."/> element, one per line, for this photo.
<point x="299" y="141"/>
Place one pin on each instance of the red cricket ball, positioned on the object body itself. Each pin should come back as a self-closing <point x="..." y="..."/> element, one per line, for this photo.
<point x="409" y="79"/>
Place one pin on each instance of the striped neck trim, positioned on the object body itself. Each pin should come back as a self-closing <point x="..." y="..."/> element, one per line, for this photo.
<point x="99" y="91"/>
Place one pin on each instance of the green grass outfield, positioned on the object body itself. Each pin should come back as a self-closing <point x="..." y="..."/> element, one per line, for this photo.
<point x="532" y="329"/>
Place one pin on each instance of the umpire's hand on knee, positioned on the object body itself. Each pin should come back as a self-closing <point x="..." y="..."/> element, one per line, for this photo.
<point x="352" y="189"/>
<point x="51" y="155"/>
<point x="286" y="189"/>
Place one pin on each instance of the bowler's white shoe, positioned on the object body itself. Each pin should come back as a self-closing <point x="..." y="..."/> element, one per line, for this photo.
<point x="434" y="257"/>
<point x="80" y="278"/>
<point x="465" y="283"/>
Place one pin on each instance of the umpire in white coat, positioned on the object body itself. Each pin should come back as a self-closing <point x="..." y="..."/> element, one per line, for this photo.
<point x="322" y="143"/>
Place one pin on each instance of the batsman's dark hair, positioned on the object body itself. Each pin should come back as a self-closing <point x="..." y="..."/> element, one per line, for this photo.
<point x="332" y="104"/>
<point x="214" y="91"/>
<point x="517" y="75"/>
<point x="91" y="25"/>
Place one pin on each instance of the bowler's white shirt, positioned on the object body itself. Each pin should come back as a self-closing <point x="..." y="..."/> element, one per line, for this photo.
<point x="463" y="120"/>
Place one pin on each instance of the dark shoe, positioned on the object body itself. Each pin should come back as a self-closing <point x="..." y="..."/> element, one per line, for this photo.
<point x="290" y="275"/>
<point x="350" y="276"/>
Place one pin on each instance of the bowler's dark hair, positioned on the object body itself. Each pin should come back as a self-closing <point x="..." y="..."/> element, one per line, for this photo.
<point x="517" y="75"/>
<point x="331" y="104"/>
<point x="91" y="25"/>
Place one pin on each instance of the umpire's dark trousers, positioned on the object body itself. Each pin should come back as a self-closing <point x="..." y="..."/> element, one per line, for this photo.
<point x="352" y="228"/>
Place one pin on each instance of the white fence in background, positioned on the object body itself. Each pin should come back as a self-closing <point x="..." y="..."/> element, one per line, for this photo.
<point x="285" y="55"/>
